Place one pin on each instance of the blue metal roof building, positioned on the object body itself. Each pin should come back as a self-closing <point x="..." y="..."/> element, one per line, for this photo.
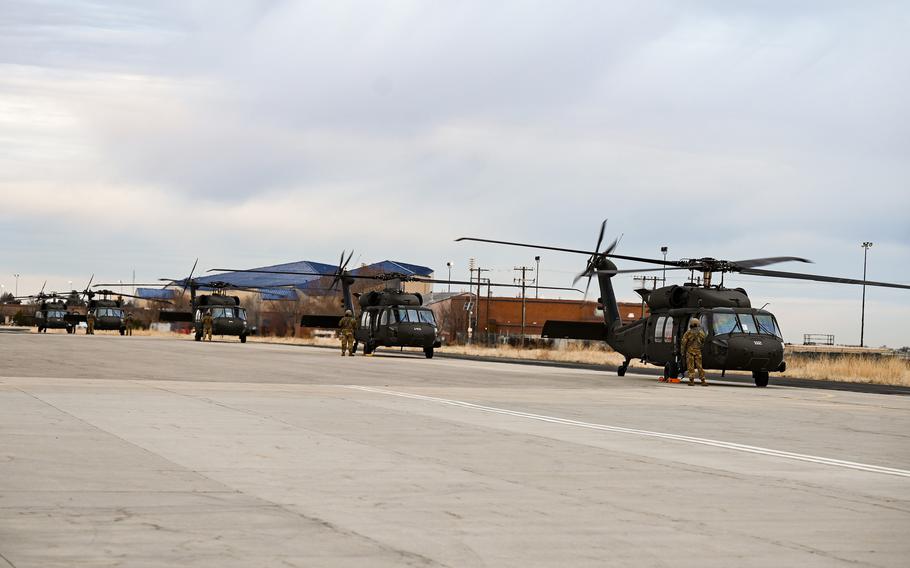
<point x="155" y="293"/>
<point x="276" y="286"/>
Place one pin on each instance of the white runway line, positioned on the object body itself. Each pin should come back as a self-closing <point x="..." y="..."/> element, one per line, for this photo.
<point x="646" y="433"/>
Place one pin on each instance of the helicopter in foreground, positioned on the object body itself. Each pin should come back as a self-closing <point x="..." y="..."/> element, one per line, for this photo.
<point x="739" y="337"/>
<point x="391" y="317"/>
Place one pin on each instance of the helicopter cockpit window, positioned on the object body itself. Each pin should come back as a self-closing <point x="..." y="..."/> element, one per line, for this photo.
<point x="54" y="314"/>
<point x="747" y="324"/>
<point x="222" y="312"/>
<point x="413" y="315"/>
<point x="724" y="323"/>
<point x="766" y="324"/>
<point x="659" y="329"/>
<point x="241" y="313"/>
<point x="426" y="316"/>
<point x="384" y="318"/>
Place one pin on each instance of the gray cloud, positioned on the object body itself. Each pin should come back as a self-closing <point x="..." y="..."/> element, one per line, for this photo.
<point x="269" y="131"/>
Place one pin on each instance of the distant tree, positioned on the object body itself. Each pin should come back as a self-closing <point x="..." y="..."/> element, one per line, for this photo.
<point x="19" y="318"/>
<point x="7" y="298"/>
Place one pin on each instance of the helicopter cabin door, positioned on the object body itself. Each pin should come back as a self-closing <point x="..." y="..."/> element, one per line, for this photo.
<point x="661" y="339"/>
<point x="366" y="326"/>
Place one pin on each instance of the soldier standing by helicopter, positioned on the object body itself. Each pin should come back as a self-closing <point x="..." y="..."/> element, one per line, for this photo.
<point x="129" y="323"/>
<point x="90" y="323"/>
<point x="691" y="344"/>
<point x="207" y="325"/>
<point x="346" y="328"/>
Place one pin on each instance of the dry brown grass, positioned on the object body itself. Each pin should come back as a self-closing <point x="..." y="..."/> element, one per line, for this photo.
<point x="572" y="354"/>
<point x="851" y="368"/>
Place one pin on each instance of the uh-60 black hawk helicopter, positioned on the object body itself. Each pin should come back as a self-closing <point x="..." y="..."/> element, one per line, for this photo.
<point x="228" y="317"/>
<point x="390" y="317"/>
<point x="739" y="337"/>
<point x="52" y="311"/>
<point x="106" y="305"/>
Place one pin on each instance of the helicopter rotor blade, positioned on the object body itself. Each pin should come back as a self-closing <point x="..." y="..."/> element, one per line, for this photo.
<point x="190" y="279"/>
<point x="118" y="284"/>
<point x="42" y="287"/>
<point x="587" y="287"/>
<point x="756" y="262"/>
<point x="574" y="251"/>
<point x="474" y="283"/>
<point x="821" y="278"/>
<point x="600" y="237"/>
<point x="348" y="261"/>
<point x="636" y="270"/>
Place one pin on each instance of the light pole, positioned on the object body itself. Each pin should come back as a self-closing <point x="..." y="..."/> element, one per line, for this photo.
<point x="449" y="265"/>
<point x="17" y="284"/>
<point x="862" y="321"/>
<point x="663" y="249"/>
<point x="537" y="278"/>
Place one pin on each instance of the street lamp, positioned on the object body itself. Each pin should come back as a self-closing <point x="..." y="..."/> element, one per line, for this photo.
<point x="663" y="249"/>
<point x="862" y="321"/>
<point x="449" y="265"/>
<point x="537" y="278"/>
<point x="17" y="284"/>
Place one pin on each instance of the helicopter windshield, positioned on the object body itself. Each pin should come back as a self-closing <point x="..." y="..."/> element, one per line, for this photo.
<point x="767" y="324"/>
<point x="724" y="323"/>
<point x="222" y="312"/>
<point x="108" y="313"/>
<point x="413" y="315"/>
<point x="54" y="314"/>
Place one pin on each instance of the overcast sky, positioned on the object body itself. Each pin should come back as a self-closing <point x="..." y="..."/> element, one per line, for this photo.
<point x="141" y="135"/>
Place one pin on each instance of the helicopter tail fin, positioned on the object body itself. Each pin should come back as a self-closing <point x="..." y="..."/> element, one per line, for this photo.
<point x="607" y="300"/>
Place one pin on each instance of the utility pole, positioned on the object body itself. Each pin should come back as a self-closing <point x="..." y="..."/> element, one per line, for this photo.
<point x="17" y="284"/>
<point x="537" y="279"/>
<point x="862" y="321"/>
<point x="524" y="304"/>
<point x="449" y="265"/>
<point x="664" y="250"/>
<point x="478" y="270"/>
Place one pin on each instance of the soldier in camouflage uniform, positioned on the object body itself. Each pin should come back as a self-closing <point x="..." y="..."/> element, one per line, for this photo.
<point x="90" y="323"/>
<point x="207" y="322"/>
<point x="692" y="342"/>
<point x="346" y="330"/>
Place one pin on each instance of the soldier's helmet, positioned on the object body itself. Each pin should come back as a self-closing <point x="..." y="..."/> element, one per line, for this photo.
<point x="348" y="313"/>
<point x="694" y="322"/>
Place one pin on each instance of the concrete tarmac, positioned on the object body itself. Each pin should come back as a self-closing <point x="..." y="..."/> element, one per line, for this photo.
<point x="135" y="451"/>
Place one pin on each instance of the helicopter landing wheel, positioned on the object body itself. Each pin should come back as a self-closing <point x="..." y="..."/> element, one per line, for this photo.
<point x="621" y="370"/>
<point x="671" y="370"/>
<point x="354" y="348"/>
<point x="428" y="351"/>
<point x="368" y="348"/>
<point x="198" y="337"/>
<point x="243" y="338"/>
<point x="70" y="330"/>
<point x="761" y="378"/>
<point x="122" y="331"/>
